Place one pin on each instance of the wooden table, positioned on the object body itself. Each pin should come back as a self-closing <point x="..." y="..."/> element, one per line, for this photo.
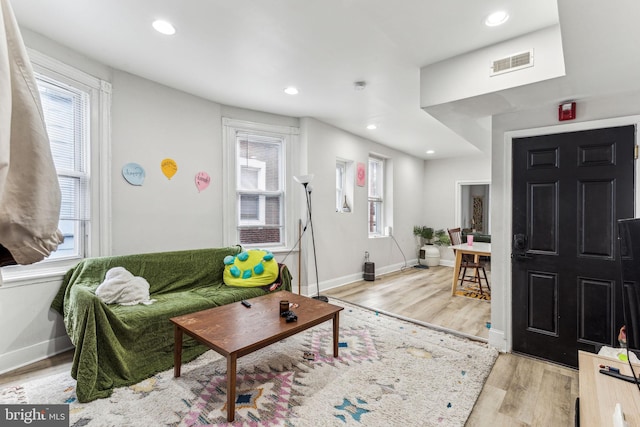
<point x="477" y="249"/>
<point x="600" y="393"/>
<point x="235" y="331"/>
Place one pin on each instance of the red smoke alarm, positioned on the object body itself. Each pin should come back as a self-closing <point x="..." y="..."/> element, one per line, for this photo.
<point x="567" y="111"/>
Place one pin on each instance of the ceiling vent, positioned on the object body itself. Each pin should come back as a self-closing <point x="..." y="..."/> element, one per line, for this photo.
<point x="514" y="62"/>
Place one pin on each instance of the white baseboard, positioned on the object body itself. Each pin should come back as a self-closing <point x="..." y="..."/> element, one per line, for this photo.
<point x="497" y="340"/>
<point x="356" y="277"/>
<point x="34" y="353"/>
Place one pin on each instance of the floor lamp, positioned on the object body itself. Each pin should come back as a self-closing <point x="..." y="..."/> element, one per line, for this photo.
<point x="305" y="180"/>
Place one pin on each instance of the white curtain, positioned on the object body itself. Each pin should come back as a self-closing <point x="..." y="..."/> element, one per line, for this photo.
<point x="29" y="190"/>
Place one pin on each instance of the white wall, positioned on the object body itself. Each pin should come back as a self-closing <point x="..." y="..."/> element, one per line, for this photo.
<point x="439" y="191"/>
<point x="342" y="238"/>
<point x="30" y="330"/>
<point x="592" y="113"/>
<point x="469" y="75"/>
<point x="151" y="122"/>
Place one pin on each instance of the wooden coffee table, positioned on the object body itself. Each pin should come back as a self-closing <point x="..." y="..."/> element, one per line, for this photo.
<point x="234" y="330"/>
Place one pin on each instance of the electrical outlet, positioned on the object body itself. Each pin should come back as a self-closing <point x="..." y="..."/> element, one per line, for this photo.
<point x="389" y="231"/>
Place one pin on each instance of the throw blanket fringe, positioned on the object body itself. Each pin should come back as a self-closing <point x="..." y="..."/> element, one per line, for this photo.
<point x="122" y="287"/>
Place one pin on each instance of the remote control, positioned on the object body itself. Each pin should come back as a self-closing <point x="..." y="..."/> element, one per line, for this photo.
<point x="618" y="375"/>
<point x="246" y="304"/>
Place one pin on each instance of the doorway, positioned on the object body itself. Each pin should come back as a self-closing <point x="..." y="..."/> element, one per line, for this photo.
<point x="473" y="206"/>
<point x="568" y="192"/>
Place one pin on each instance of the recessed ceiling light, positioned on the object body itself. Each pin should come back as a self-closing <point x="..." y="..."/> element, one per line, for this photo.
<point x="496" y="18"/>
<point x="372" y="127"/>
<point x="430" y="151"/>
<point x="164" y="27"/>
<point x="291" y="90"/>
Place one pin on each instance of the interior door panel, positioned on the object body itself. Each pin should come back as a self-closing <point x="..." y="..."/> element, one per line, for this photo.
<point x="568" y="192"/>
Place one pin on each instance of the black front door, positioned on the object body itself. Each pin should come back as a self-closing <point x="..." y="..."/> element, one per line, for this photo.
<point x="568" y="192"/>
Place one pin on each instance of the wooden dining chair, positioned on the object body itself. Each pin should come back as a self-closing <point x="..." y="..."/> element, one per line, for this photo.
<point x="469" y="262"/>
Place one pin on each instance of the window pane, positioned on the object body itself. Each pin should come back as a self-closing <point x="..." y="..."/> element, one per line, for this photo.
<point x="66" y="112"/>
<point x="374" y="217"/>
<point x="376" y="192"/>
<point x="260" y="235"/>
<point x="263" y="155"/>
<point x="249" y="207"/>
<point x="273" y="211"/>
<point x="250" y="178"/>
<point x="375" y="178"/>
<point x="263" y="219"/>
<point x="69" y="248"/>
<point x="70" y="191"/>
<point x="340" y="179"/>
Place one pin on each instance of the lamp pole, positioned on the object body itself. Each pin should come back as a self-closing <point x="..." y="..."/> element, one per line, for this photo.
<point x="304" y="180"/>
<point x="313" y="243"/>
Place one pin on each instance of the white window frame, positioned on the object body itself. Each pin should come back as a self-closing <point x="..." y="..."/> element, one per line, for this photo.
<point x="289" y="136"/>
<point x="346" y="188"/>
<point x="97" y="229"/>
<point x="380" y="225"/>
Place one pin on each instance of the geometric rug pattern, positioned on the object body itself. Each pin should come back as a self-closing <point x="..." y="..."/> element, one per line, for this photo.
<point x="264" y="397"/>
<point x="471" y="290"/>
<point x="389" y="372"/>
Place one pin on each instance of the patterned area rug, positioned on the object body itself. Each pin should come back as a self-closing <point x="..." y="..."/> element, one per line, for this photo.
<point x="389" y="372"/>
<point x="471" y="290"/>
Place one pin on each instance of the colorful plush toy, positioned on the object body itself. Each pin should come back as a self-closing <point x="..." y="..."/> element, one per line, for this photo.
<point x="251" y="268"/>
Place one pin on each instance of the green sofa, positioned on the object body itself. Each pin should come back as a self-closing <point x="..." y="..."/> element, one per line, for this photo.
<point x="119" y="345"/>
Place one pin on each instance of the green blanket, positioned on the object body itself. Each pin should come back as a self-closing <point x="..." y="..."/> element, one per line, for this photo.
<point x="122" y="345"/>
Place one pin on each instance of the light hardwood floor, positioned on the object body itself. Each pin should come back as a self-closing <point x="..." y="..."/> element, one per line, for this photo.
<point x="420" y="294"/>
<point x="520" y="391"/>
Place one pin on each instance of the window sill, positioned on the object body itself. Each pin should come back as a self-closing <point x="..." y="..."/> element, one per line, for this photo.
<point x="14" y="276"/>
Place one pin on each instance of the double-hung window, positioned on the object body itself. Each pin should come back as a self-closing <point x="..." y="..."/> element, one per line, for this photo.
<point x="66" y="113"/>
<point x="76" y="109"/>
<point x="376" y="196"/>
<point x="260" y="193"/>
<point x="257" y="202"/>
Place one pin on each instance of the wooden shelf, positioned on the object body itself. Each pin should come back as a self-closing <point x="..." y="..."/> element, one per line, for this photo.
<point x="600" y="393"/>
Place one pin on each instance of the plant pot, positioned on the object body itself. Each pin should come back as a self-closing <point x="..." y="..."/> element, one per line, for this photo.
<point x="431" y="255"/>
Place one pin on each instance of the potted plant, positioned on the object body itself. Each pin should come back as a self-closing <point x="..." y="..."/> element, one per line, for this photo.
<point x="430" y="239"/>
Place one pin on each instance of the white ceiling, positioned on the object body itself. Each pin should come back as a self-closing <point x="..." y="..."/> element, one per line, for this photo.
<point x="245" y="52"/>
